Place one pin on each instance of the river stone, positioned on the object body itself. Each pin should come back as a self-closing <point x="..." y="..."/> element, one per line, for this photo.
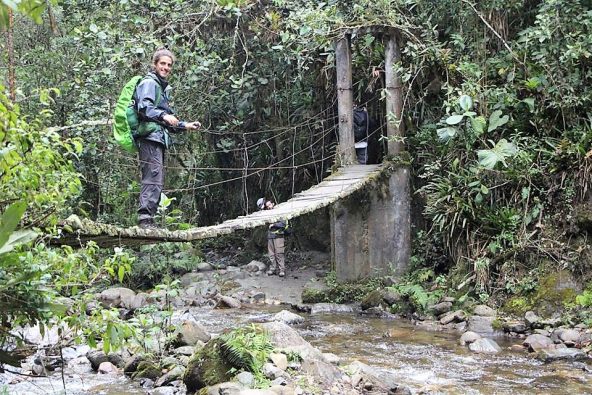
<point x="531" y="319"/>
<point x="324" y="308"/>
<point x="537" y="342"/>
<point x="140" y="300"/>
<point x="190" y="333"/>
<point x="455" y="316"/>
<point x="332" y="358"/>
<point x="479" y="324"/>
<point x="279" y="360"/>
<point x="207" y="367"/>
<point x="570" y="337"/>
<point x="321" y="370"/>
<point x="468" y="338"/>
<point x="484" y="311"/>
<point x="288" y="317"/>
<point x="372" y="299"/>
<point x="557" y="354"/>
<point x="107" y="368"/>
<point x="187" y="350"/>
<point x="225" y="302"/>
<point x="441" y="308"/>
<point x="189" y="278"/>
<point x="96" y="358"/>
<point x="117" y="297"/>
<point x="147" y="370"/>
<point x="382" y="378"/>
<point x="257" y="297"/>
<point x="514" y="326"/>
<point x="204" y="267"/>
<point x="485" y="346"/>
<point x="391" y="297"/>
<point x="131" y="363"/>
<point x="245" y="378"/>
<point x="174" y="374"/>
<point x="272" y="372"/>
<point x="255" y="266"/>
<point x="169" y="362"/>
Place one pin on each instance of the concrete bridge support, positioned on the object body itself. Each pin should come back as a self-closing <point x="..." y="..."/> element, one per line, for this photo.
<point x="371" y="230"/>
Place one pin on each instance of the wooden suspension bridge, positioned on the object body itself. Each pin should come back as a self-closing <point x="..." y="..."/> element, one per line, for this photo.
<point x="346" y="181"/>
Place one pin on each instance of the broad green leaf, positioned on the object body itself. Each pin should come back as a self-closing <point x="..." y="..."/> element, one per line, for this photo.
<point x="529" y="101"/>
<point x="454" y="119"/>
<point x="496" y="120"/>
<point x="491" y="157"/>
<point x="10" y="220"/>
<point x="465" y="102"/>
<point x="447" y="133"/>
<point x="478" y="125"/>
<point x="17" y="238"/>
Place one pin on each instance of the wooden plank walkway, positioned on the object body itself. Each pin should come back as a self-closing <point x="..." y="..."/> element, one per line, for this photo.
<point x="347" y="180"/>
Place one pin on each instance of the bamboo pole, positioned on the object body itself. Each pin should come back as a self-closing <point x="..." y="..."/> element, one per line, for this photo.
<point x="394" y="97"/>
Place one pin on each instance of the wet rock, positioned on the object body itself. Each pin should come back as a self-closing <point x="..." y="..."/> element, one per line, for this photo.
<point x="272" y="372"/>
<point x="169" y="362"/>
<point x="165" y="391"/>
<point x="372" y="299"/>
<point x="551" y="322"/>
<point x="147" y="370"/>
<point x="322" y="371"/>
<point x="279" y="360"/>
<point x="117" y="297"/>
<point x="257" y="297"/>
<point x="187" y="350"/>
<point x="190" y="333"/>
<point x="132" y="363"/>
<point x="570" y="337"/>
<point x="332" y="358"/>
<point x="391" y="297"/>
<point x="386" y="381"/>
<point x="441" y="308"/>
<point x="484" y="311"/>
<point x="245" y="378"/>
<point x="326" y="308"/>
<point x="96" y="358"/>
<point x="558" y="354"/>
<point x="207" y="367"/>
<point x="479" y="324"/>
<point x="455" y="316"/>
<point x="227" y="302"/>
<point x="174" y="374"/>
<point x="485" y="346"/>
<point x="255" y="266"/>
<point x="38" y="370"/>
<point x="514" y="326"/>
<point x="460" y="326"/>
<point x="288" y="317"/>
<point x="532" y="320"/>
<point x="537" y="342"/>
<point x="107" y="368"/>
<point x="518" y="348"/>
<point x="468" y="338"/>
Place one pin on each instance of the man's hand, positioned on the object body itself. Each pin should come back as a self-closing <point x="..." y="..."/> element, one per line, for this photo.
<point x="193" y="125"/>
<point x="171" y="119"/>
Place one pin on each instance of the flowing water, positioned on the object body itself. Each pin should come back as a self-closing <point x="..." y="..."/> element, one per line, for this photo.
<point x="427" y="361"/>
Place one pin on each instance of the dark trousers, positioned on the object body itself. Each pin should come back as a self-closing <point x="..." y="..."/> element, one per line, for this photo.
<point x="152" y="168"/>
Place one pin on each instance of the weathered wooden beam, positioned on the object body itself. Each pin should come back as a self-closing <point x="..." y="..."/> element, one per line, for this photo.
<point x="346" y="153"/>
<point x="394" y="97"/>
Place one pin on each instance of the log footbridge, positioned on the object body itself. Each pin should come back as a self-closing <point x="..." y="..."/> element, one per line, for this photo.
<point x="369" y="204"/>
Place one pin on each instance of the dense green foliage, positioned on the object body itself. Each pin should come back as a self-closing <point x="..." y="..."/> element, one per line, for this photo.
<point x="497" y="99"/>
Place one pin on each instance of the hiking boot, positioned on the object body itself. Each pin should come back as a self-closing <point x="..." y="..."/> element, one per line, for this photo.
<point x="147" y="224"/>
<point x="270" y="272"/>
<point x="282" y="273"/>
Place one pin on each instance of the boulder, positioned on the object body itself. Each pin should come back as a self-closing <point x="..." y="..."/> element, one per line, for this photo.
<point x="279" y="360"/>
<point x="570" y="337"/>
<point x="480" y="324"/>
<point x="322" y="371"/>
<point x="288" y="317"/>
<point x="272" y="372"/>
<point x="454" y="316"/>
<point x="131" y="364"/>
<point x="117" y="297"/>
<point x="96" y="358"/>
<point x="531" y="319"/>
<point x="245" y="378"/>
<point x="189" y="278"/>
<point x="190" y="333"/>
<point x="485" y="346"/>
<point x="207" y="367"/>
<point x="324" y="308"/>
<point x="147" y="370"/>
<point x="107" y="368"/>
<point x="484" y="311"/>
<point x="558" y="354"/>
<point x="174" y="374"/>
<point x="227" y="302"/>
<point x="441" y="308"/>
<point x="372" y="299"/>
<point x="386" y="381"/>
<point x="468" y="338"/>
<point x="255" y="266"/>
<point x="514" y="326"/>
<point x="537" y="342"/>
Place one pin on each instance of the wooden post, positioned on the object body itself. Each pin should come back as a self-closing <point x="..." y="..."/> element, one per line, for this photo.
<point x="346" y="153"/>
<point x="394" y="97"/>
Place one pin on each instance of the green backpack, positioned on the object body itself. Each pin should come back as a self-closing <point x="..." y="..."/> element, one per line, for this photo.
<point x="125" y="116"/>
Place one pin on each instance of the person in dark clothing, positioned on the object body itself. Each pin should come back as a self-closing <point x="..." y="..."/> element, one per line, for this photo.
<point x="157" y="120"/>
<point x="275" y="241"/>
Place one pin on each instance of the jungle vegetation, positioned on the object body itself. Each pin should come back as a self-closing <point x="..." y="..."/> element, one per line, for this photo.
<point x="497" y="99"/>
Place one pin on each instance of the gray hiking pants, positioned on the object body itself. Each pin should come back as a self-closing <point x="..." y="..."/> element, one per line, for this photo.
<point x="275" y="248"/>
<point x="151" y="156"/>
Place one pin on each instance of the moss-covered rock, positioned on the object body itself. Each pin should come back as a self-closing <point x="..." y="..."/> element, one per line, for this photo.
<point x="147" y="370"/>
<point x="373" y="299"/>
<point x="207" y="367"/>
